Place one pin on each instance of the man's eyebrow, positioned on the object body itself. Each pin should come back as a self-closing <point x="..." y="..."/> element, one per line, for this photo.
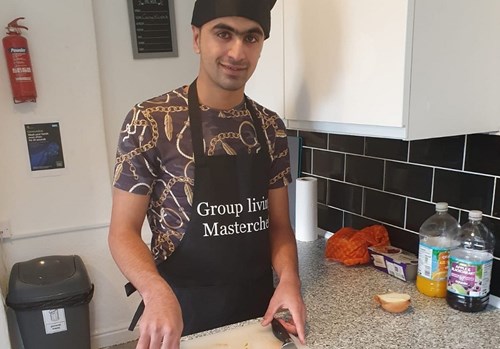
<point x="254" y="30"/>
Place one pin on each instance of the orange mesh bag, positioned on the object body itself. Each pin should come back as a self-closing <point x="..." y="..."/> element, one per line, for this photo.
<point x="337" y="247"/>
<point x="350" y="246"/>
<point x="375" y="235"/>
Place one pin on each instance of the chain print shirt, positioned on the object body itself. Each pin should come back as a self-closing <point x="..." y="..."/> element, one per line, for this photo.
<point x="155" y="157"/>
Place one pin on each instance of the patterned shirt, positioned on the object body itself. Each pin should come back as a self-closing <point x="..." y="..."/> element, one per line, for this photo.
<point x="155" y="157"/>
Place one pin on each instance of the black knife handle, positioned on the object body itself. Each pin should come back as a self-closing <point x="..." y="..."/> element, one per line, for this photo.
<point x="279" y="331"/>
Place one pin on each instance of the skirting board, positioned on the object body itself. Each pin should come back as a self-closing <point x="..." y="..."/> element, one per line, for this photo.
<point x="113" y="336"/>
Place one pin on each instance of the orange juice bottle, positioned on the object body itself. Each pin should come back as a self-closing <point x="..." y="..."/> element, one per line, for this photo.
<point x="437" y="235"/>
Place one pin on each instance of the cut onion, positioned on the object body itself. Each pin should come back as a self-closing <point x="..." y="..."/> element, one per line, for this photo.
<point x="393" y="302"/>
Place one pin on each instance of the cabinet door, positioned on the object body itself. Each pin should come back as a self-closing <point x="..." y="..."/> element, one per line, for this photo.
<point x="345" y="61"/>
<point x="455" y="70"/>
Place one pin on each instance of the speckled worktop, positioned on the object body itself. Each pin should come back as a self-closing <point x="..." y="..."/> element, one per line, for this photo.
<point x="342" y="313"/>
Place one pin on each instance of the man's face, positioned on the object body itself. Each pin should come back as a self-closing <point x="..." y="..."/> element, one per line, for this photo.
<point x="229" y="49"/>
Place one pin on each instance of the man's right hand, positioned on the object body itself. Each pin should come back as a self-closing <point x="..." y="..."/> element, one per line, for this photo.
<point x="161" y="325"/>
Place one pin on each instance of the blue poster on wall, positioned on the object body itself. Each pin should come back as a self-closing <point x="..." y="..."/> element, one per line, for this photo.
<point x="44" y="146"/>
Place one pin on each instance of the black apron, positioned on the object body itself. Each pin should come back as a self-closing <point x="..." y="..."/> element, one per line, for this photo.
<point x="221" y="271"/>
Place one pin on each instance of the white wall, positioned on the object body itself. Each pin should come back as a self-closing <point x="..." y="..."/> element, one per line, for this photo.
<point x="64" y="58"/>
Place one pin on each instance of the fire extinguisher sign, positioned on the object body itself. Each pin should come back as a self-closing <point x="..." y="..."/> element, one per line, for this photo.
<point x="44" y="146"/>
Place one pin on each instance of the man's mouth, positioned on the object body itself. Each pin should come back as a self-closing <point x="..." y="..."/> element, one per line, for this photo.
<point x="233" y="67"/>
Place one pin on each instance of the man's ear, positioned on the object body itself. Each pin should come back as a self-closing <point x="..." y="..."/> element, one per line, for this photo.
<point x="196" y="39"/>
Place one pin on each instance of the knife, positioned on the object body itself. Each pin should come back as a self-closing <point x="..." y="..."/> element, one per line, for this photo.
<point x="281" y="333"/>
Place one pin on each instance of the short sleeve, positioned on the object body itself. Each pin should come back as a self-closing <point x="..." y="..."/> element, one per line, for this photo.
<point x="136" y="159"/>
<point x="280" y="166"/>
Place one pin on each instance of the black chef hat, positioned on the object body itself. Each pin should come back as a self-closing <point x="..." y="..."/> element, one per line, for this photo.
<point x="256" y="10"/>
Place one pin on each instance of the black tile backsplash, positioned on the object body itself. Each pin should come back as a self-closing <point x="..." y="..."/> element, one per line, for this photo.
<point x="365" y="171"/>
<point x="465" y="190"/>
<point x="495" y="279"/>
<point x="328" y="164"/>
<point x="329" y="218"/>
<point x="483" y="154"/>
<point x="494" y="226"/>
<point x="322" y="190"/>
<point x="418" y="211"/>
<point x="345" y="196"/>
<point x="346" y="144"/>
<point x="403" y="239"/>
<point x="409" y="180"/>
<point x="384" y="207"/>
<point x="496" y="209"/>
<point x="357" y="222"/>
<point x="386" y="148"/>
<point x="314" y="139"/>
<point x="443" y="152"/>
<point x="306" y="161"/>
<point x="397" y="183"/>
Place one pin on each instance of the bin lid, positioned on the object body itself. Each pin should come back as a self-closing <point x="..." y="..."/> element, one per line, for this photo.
<point x="46" y="270"/>
<point x="47" y="279"/>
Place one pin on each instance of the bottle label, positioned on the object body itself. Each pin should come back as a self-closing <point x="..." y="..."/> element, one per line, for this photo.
<point x="468" y="278"/>
<point x="433" y="262"/>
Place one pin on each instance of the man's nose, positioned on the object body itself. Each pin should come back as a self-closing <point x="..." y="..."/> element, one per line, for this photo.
<point x="236" y="50"/>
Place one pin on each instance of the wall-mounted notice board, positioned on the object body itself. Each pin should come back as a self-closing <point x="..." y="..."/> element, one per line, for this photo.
<point x="44" y="146"/>
<point x="152" y="26"/>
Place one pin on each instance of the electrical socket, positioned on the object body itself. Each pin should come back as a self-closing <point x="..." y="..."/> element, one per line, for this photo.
<point x="5" y="231"/>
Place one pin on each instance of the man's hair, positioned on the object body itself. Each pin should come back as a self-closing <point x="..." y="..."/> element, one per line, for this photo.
<point x="256" y="10"/>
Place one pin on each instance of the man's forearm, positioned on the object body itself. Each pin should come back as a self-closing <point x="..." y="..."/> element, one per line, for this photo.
<point x="282" y="240"/>
<point x="284" y="256"/>
<point x="134" y="260"/>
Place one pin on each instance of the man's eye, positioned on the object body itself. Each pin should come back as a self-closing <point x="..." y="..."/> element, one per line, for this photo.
<point x="224" y="35"/>
<point x="252" y="39"/>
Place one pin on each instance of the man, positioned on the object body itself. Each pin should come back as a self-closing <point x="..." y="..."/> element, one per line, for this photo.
<point x="209" y="168"/>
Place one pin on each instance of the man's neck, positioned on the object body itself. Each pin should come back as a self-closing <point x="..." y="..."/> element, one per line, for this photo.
<point x="218" y="98"/>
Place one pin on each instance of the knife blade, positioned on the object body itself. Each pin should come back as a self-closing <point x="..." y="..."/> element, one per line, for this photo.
<point x="282" y="334"/>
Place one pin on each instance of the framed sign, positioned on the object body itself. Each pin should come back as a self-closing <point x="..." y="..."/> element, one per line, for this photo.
<point x="44" y="146"/>
<point x="152" y="26"/>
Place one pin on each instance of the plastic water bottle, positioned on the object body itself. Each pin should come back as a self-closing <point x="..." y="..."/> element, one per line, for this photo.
<point x="470" y="266"/>
<point x="436" y="236"/>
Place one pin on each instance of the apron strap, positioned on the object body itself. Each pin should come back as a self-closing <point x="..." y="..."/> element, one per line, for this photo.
<point x="137" y="316"/>
<point x="130" y="289"/>
<point x="195" y="123"/>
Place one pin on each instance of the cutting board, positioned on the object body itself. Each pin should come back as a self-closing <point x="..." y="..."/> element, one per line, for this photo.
<point x="249" y="336"/>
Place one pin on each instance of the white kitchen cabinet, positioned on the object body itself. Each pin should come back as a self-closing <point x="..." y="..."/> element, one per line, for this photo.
<point x="406" y="69"/>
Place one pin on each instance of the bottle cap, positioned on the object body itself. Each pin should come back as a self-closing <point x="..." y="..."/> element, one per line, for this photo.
<point x="475" y="214"/>
<point x="441" y="206"/>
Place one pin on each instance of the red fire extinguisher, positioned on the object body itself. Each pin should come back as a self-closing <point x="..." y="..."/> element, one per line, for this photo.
<point x="19" y="63"/>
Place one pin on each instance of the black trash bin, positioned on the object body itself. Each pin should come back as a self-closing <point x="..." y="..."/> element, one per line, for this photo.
<point x="50" y="297"/>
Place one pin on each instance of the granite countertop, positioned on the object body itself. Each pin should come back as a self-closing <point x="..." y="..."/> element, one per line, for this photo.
<point x="342" y="313"/>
